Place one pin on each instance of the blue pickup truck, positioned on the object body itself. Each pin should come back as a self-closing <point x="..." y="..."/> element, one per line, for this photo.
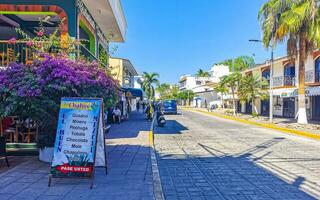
<point x="170" y="107"/>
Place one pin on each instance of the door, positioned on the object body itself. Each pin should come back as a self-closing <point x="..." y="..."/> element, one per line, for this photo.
<point x="265" y="107"/>
<point x="289" y="107"/>
<point x="315" y="108"/>
<point x="238" y="106"/>
<point x="249" y="107"/>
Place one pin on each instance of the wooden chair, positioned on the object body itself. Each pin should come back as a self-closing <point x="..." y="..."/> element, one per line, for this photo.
<point x="30" y="129"/>
<point x="18" y="128"/>
<point x="7" y="131"/>
<point x="3" y="151"/>
<point x="29" y="56"/>
<point x="7" y="57"/>
<point x="2" y="59"/>
<point x="10" y="55"/>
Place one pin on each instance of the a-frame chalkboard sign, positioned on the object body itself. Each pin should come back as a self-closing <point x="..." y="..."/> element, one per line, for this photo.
<point x="80" y="143"/>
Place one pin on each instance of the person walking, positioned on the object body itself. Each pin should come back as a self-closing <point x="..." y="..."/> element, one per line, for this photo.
<point x="149" y="111"/>
<point x="138" y="106"/>
<point x="116" y="115"/>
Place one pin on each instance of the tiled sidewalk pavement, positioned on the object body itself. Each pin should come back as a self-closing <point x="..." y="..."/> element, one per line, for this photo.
<point x="129" y="175"/>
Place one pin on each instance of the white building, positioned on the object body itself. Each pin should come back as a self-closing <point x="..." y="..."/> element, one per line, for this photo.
<point x="203" y="86"/>
<point x="218" y="71"/>
<point x="137" y="82"/>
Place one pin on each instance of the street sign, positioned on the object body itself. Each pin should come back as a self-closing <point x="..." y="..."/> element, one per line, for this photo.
<point x="80" y="127"/>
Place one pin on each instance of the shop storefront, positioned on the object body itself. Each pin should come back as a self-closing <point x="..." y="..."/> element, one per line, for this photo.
<point x="265" y="105"/>
<point x="289" y="107"/>
<point x="285" y="102"/>
<point x="313" y="105"/>
<point x="87" y="21"/>
<point x="129" y="100"/>
<point x="248" y="107"/>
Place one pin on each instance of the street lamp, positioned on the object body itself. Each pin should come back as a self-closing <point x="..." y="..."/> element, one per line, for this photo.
<point x="271" y="82"/>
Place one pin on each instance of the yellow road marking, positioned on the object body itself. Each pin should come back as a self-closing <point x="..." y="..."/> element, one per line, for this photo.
<point x="270" y="126"/>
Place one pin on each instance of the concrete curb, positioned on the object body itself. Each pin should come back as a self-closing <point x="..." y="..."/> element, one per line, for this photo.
<point x="269" y="126"/>
<point x="157" y="186"/>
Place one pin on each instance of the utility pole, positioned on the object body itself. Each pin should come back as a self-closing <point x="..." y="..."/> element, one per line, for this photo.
<point x="271" y="88"/>
<point x="188" y="98"/>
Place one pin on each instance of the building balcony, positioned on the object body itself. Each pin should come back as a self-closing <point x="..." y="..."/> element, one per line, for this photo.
<point x="278" y="81"/>
<point x="20" y="52"/>
<point x="289" y="81"/>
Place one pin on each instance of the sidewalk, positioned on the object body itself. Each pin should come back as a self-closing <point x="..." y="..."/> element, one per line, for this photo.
<point x="130" y="174"/>
<point x="313" y="127"/>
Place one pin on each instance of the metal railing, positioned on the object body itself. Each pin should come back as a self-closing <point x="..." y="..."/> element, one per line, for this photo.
<point x="317" y="77"/>
<point x="20" y="52"/>
<point x="309" y="76"/>
<point x="278" y="81"/>
<point x="89" y="56"/>
<point x="289" y="81"/>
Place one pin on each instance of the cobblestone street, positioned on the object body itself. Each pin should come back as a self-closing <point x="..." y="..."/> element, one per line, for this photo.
<point x="203" y="157"/>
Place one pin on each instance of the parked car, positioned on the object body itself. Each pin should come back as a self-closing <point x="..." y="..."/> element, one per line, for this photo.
<point x="170" y="107"/>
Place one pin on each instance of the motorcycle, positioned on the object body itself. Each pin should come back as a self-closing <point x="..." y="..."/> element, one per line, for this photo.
<point x="161" y="121"/>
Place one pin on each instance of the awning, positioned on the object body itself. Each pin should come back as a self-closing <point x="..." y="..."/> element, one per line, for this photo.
<point x="293" y="92"/>
<point x="133" y="92"/>
<point x="285" y="92"/>
<point x="313" y="91"/>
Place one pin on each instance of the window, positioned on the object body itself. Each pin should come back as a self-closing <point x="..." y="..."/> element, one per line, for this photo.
<point x="317" y="70"/>
<point x="266" y="74"/>
<point x="198" y="82"/>
<point x="289" y="75"/>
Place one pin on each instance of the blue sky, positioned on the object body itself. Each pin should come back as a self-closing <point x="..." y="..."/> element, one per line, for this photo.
<point x="176" y="37"/>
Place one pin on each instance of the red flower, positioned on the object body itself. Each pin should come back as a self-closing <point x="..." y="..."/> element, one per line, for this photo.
<point x="12" y="41"/>
<point x="29" y="43"/>
<point x="40" y="33"/>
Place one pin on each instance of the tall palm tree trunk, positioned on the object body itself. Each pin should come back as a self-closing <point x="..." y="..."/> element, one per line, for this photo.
<point x="254" y="107"/>
<point x="222" y="101"/>
<point x="302" y="112"/>
<point x="233" y="102"/>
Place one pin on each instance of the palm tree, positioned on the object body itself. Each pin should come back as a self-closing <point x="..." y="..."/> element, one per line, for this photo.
<point x="238" y="64"/>
<point x="252" y="87"/>
<point x="149" y="80"/>
<point x="221" y="88"/>
<point x="164" y="90"/>
<point x="232" y="81"/>
<point x="243" y="62"/>
<point x="186" y="95"/>
<point x="299" y="21"/>
<point x="202" y="73"/>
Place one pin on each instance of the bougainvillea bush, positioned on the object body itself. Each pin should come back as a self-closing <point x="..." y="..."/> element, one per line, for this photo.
<point x="36" y="90"/>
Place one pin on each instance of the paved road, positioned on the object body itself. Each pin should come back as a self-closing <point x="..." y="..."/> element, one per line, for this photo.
<point x="203" y="157"/>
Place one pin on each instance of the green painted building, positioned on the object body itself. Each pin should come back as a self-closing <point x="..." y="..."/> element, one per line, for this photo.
<point x="95" y="23"/>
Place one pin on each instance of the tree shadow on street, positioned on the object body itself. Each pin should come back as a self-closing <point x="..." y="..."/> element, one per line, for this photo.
<point x="232" y="176"/>
<point x="129" y="128"/>
<point x="171" y="127"/>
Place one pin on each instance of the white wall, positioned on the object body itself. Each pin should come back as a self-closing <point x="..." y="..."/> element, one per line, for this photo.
<point x="218" y="71"/>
